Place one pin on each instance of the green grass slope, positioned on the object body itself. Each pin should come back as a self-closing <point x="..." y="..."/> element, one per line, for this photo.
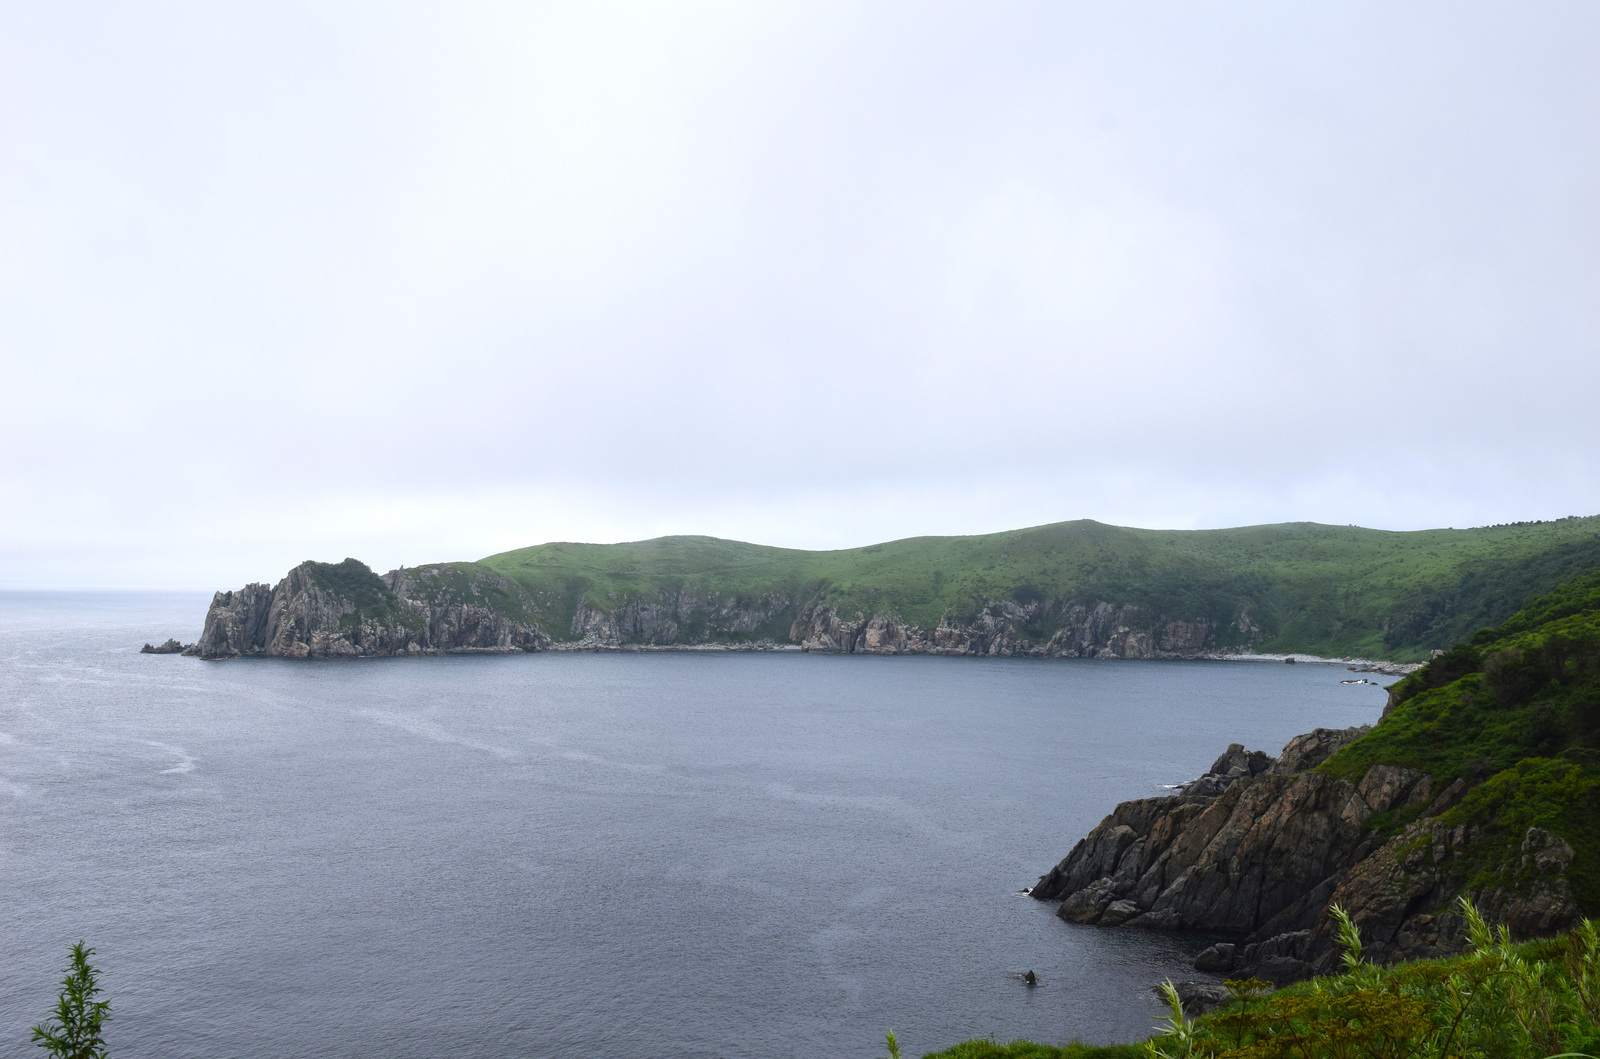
<point x="1515" y="712"/>
<point x="1305" y="587"/>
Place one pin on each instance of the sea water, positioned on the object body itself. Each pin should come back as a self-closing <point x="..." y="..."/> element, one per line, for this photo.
<point x="631" y="855"/>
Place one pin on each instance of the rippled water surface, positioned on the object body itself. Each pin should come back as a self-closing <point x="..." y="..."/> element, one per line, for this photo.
<point x="560" y="855"/>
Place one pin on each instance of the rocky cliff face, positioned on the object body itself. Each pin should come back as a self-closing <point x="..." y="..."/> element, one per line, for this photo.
<point x="325" y="610"/>
<point x="331" y="611"/>
<point x="1007" y="628"/>
<point x="679" y="617"/>
<point x="1261" y="847"/>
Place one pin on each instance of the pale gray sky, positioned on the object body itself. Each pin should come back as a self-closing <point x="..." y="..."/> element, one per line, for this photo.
<point x="414" y="282"/>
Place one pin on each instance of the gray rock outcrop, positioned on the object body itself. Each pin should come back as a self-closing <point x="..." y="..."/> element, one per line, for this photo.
<point x="1261" y="848"/>
<point x="1082" y="630"/>
<point x="310" y="614"/>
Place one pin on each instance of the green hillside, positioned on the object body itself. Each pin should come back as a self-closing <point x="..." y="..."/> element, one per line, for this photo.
<point x="1515" y="711"/>
<point x="1305" y="587"/>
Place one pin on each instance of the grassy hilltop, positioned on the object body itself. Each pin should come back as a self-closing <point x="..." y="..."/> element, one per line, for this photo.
<point x="1331" y="590"/>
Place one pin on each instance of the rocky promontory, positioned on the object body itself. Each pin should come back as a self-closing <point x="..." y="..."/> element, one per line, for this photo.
<point x="344" y="610"/>
<point x="332" y="610"/>
<point x="1261" y="847"/>
<point x="1481" y="780"/>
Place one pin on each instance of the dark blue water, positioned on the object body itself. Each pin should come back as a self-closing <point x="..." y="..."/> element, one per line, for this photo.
<point x="564" y="855"/>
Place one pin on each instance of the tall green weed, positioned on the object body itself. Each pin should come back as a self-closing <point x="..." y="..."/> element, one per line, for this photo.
<point x="1500" y="1001"/>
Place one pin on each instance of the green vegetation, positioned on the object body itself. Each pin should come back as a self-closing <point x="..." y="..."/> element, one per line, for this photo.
<point x="355" y="581"/>
<point x="1029" y="1050"/>
<point x="470" y="584"/>
<point x="1499" y="1001"/>
<point x="74" y="1031"/>
<point x="1515" y="712"/>
<point x="1304" y="587"/>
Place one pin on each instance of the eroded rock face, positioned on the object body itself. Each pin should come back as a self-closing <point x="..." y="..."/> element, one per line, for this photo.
<point x="1099" y="630"/>
<point x="680" y="617"/>
<point x="1228" y="863"/>
<point x="1402" y="897"/>
<point x="408" y="612"/>
<point x="236" y="623"/>
<point x="501" y="618"/>
<point x="1314" y="747"/>
<point x="1262" y="848"/>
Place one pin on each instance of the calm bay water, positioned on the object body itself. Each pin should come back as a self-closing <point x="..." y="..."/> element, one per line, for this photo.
<point x="560" y="855"/>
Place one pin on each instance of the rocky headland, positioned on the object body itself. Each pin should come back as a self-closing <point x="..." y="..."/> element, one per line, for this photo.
<point x="339" y="610"/>
<point x="1069" y="590"/>
<point x="1261" y="848"/>
<point x="1482" y="780"/>
<point x="344" y="610"/>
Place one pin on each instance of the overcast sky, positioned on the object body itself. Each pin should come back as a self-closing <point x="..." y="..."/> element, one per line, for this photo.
<point x="421" y="282"/>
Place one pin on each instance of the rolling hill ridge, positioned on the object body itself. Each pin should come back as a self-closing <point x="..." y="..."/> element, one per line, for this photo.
<point x="1070" y="589"/>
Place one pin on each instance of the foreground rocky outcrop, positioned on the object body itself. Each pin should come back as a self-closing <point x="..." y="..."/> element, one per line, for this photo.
<point x="1261" y="847"/>
<point x="344" y="610"/>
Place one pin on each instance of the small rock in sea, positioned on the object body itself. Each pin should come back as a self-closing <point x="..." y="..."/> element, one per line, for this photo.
<point x="171" y="647"/>
<point x="1289" y="660"/>
<point x="1030" y="978"/>
<point x="1218" y="958"/>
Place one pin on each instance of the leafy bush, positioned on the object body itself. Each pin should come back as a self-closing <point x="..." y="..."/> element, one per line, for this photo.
<point x="1499" y="1001"/>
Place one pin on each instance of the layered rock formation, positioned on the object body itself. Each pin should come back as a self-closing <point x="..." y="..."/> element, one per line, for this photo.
<point x="679" y="617"/>
<point x="1262" y="847"/>
<point x="323" y="610"/>
<point x="1007" y="628"/>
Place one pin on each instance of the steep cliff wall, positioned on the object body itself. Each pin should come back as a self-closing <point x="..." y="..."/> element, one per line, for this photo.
<point x="323" y="610"/>
<point x="678" y="617"/>
<point x="1008" y="628"/>
<point x="344" y="610"/>
<point x="1069" y="590"/>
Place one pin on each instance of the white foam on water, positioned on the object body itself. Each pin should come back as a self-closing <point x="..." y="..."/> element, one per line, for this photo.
<point x="426" y="729"/>
<point x="185" y="760"/>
